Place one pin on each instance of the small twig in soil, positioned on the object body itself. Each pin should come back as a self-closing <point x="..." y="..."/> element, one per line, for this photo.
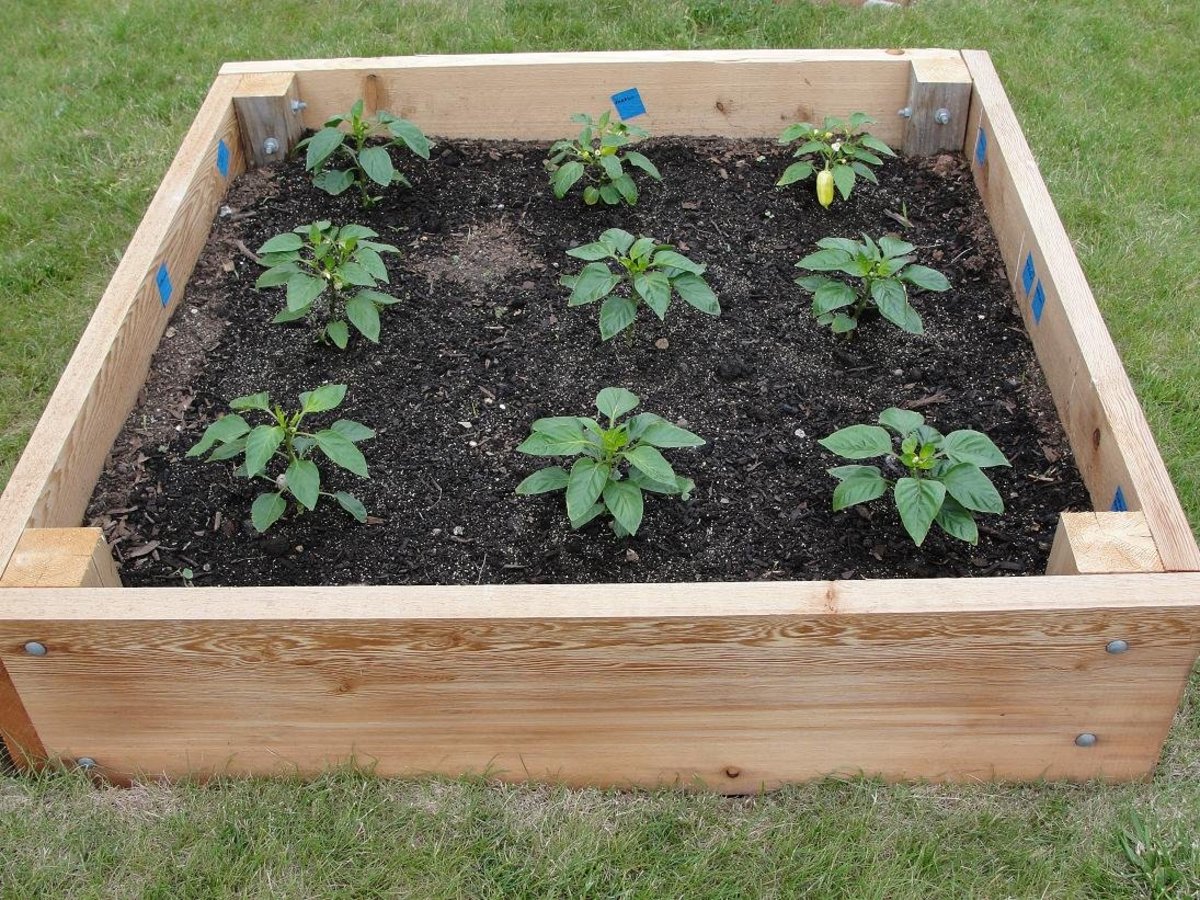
<point x="926" y="401"/>
<point x="246" y="251"/>
<point x="482" y="565"/>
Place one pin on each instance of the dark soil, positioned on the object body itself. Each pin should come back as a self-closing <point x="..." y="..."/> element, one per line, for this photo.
<point x="483" y="343"/>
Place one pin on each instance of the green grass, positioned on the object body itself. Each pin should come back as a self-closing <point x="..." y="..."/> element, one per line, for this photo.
<point x="97" y="96"/>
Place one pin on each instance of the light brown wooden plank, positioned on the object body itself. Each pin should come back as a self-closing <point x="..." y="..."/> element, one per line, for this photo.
<point x="1109" y="436"/>
<point x="1093" y="543"/>
<point x="17" y="733"/>
<point x="531" y="96"/>
<point x="61" y="557"/>
<point x="936" y="85"/>
<point x="662" y="683"/>
<point x="55" y="475"/>
<point x="263" y="104"/>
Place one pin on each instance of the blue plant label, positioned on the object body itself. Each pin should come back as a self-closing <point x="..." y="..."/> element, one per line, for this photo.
<point x="981" y="148"/>
<point x="1028" y="273"/>
<point x="629" y="103"/>
<point x="223" y="158"/>
<point x="1039" y="303"/>
<point x="163" y="280"/>
<point x="1119" y="504"/>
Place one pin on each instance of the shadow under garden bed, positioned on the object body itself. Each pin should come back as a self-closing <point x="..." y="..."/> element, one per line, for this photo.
<point x="483" y="343"/>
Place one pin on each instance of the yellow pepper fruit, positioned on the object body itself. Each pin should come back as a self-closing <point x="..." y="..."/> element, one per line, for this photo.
<point x="825" y="187"/>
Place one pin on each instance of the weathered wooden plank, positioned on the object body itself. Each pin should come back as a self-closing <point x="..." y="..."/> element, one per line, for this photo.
<point x="738" y="687"/>
<point x="939" y="98"/>
<point x="1112" y="442"/>
<point x="269" y="122"/>
<point x="54" y="478"/>
<point x="1093" y="543"/>
<point x="531" y="96"/>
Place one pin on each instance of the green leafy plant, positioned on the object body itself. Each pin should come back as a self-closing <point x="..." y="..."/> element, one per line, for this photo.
<point x="596" y="158"/>
<point x="944" y="480"/>
<point x="882" y="271"/>
<point x="616" y="463"/>
<point x="362" y="165"/>
<point x="281" y="453"/>
<point x="653" y="271"/>
<point x="839" y="152"/>
<point x="330" y="272"/>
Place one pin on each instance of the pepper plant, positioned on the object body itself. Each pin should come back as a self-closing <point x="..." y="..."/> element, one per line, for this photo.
<point x="330" y="272"/>
<point x="653" y="271"/>
<point x="839" y="152"/>
<point x="361" y="165"/>
<point x="941" y="477"/>
<point x="280" y="453"/>
<point x="881" y="272"/>
<point x="597" y="158"/>
<point x="617" y="462"/>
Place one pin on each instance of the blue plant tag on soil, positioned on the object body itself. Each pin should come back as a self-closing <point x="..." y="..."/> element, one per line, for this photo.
<point x="1119" y="504"/>
<point x="981" y="147"/>
<point x="1028" y="273"/>
<point x="223" y="158"/>
<point x="163" y="280"/>
<point x="629" y="103"/>
<point x="1039" y="303"/>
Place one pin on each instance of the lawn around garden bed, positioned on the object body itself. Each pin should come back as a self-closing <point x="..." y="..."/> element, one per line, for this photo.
<point x="483" y="343"/>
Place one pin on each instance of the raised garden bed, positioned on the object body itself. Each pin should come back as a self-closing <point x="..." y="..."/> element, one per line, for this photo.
<point x="723" y="659"/>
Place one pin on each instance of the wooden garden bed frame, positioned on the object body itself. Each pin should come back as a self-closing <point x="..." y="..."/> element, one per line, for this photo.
<point x="734" y="686"/>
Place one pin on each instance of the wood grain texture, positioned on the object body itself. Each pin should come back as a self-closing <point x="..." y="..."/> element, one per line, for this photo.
<point x="1093" y="543"/>
<point x="17" y="733"/>
<point x="55" y="475"/>
<point x="752" y="93"/>
<point x="61" y="557"/>
<point x="736" y="687"/>
<point x="936" y="84"/>
<point x="1109" y="436"/>
<point x="263" y="104"/>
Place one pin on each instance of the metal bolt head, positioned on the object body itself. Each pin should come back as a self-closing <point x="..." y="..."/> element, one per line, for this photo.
<point x="942" y="116"/>
<point x="86" y="763"/>
<point x="270" y="146"/>
<point x="1087" y="739"/>
<point x="1117" y="646"/>
<point x="298" y="105"/>
<point x="906" y="112"/>
<point x="36" y="648"/>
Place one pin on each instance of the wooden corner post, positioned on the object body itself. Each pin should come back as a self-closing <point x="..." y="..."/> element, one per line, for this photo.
<point x="939" y="99"/>
<point x="268" y="111"/>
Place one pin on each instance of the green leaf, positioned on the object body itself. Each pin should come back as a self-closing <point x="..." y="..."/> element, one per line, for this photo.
<point x="892" y="301"/>
<point x="584" y="486"/>
<point x="847" y="245"/>
<point x="636" y="159"/>
<point x="842" y="324"/>
<point x="372" y="263"/>
<point x="628" y="190"/>
<point x="282" y="243"/>
<point x="378" y="297"/>
<point x="277" y="275"/>
<point x="353" y="273"/>
<point x="891" y="247"/>
<point x="642" y="247"/>
<point x="860" y="486"/>
<point x="969" y="486"/>
<point x="411" y="135"/>
<point x="266" y="510"/>
<point x="352" y="431"/>
<point x="657" y="431"/>
<point x="612" y="167"/>
<point x="795" y="132"/>
<point x="261" y="400"/>
<point x="596" y="509"/>
<point x="377" y="165"/>
<point x="833" y="295"/>
<point x="591" y="195"/>
<point x="596" y="250"/>
<point x="357" y="232"/>
<point x="616" y="314"/>
<point x="594" y="282"/>
<point x="957" y="522"/>
<point x="323" y="399"/>
<point x="226" y="428"/>
<point x="859" y="119"/>
<point x="918" y="502"/>
<point x="302" y="290"/>
<point x="696" y="292"/>
<point x="261" y="444"/>
<point x="652" y="463"/>
<point x="321" y="146"/>
<point x="924" y="277"/>
<point x="677" y="261"/>
<point x="655" y="289"/>
<point x="352" y="505"/>
<point x="228" y="450"/>
<point x="617" y="240"/>
<point x="875" y="144"/>
<point x="304" y="481"/>
<point x="813" y="283"/>
<point x="364" y="315"/>
<point x="968" y="446"/>
<point x="902" y="421"/>
<point x="843" y="178"/>
<point x="610" y="195"/>
<point x="797" y="171"/>
<point x="291" y="315"/>
<point x="615" y="402"/>
<point x="542" y="481"/>
<point x="334" y="181"/>
<point x="341" y="451"/>
<point x="338" y="333"/>
<point x="565" y="176"/>
<point x="539" y="444"/>
<point x="624" y="501"/>
<point x="825" y="261"/>
<point x="864" y="172"/>
<point x="858" y="442"/>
